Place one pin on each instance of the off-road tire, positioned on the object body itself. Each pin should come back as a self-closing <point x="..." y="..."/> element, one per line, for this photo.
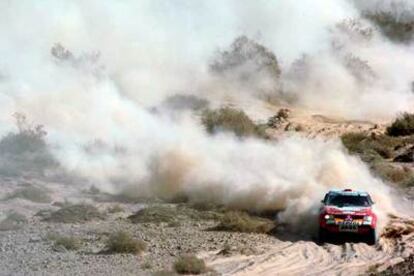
<point x="323" y="235"/>
<point x="372" y="237"/>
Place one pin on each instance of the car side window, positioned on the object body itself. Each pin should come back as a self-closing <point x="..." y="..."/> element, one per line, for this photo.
<point x="325" y="199"/>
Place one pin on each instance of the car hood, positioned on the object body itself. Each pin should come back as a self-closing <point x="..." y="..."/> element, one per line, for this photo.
<point x="354" y="210"/>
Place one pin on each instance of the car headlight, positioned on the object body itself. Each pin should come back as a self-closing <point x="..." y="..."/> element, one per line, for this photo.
<point x="328" y="217"/>
<point x="367" y="219"/>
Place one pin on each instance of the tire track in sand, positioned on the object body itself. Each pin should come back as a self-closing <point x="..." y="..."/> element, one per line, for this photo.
<point x="309" y="258"/>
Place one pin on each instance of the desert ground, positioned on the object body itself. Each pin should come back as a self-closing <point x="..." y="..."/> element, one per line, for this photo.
<point x="32" y="225"/>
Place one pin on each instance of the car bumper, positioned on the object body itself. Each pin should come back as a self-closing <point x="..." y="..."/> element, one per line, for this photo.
<point x="360" y="230"/>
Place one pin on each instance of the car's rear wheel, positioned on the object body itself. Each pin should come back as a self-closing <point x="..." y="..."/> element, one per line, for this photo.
<point x="372" y="237"/>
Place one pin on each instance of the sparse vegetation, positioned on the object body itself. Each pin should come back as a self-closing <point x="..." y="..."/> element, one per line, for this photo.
<point x="77" y="213"/>
<point x="232" y="120"/>
<point x="280" y="117"/>
<point x="154" y="214"/>
<point x="123" y="242"/>
<point x="226" y="251"/>
<point x="370" y="148"/>
<point x="32" y="193"/>
<point x="25" y="151"/>
<point x="402" y="126"/>
<point x="172" y="215"/>
<point x="190" y="264"/>
<point x="186" y="102"/>
<point x="359" y="68"/>
<point x="13" y="221"/>
<point x="355" y="29"/>
<point x="164" y="273"/>
<point x="146" y="265"/>
<point x="87" y="61"/>
<point x="378" y="151"/>
<point x="402" y="176"/>
<point x="247" y="65"/>
<point x="405" y="267"/>
<point x="65" y="242"/>
<point x="237" y="221"/>
<point x="115" y="209"/>
<point x="246" y="51"/>
<point x="396" y="28"/>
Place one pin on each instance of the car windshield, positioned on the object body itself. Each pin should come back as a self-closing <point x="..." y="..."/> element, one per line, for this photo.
<point x="348" y="200"/>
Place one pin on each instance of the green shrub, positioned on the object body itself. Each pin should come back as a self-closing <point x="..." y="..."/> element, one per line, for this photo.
<point x="77" y="213"/>
<point x="190" y="264"/>
<point x="232" y="120"/>
<point x="236" y="221"/>
<point x="402" y="126"/>
<point x="123" y="242"/>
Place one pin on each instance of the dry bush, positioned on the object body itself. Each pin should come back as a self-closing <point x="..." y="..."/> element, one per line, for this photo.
<point x="232" y="120"/>
<point x="123" y="242"/>
<point x="173" y="215"/>
<point x="77" y="213"/>
<point x="301" y="68"/>
<point x="86" y="61"/>
<point x="370" y="148"/>
<point x="154" y="214"/>
<point x="236" y="221"/>
<point x="376" y="152"/>
<point x="146" y="265"/>
<point x="359" y="68"/>
<point x="61" y="53"/>
<point x="408" y="182"/>
<point x="405" y="267"/>
<point x="13" y="221"/>
<point x="190" y="264"/>
<point x="32" y="193"/>
<point x="398" y="227"/>
<point x="402" y="126"/>
<point x="115" y="209"/>
<point x="396" y="28"/>
<point x="401" y="176"/>
<point x="202" y="211"/>
<point x="249" y="66"/>
<point x="62" y="243"/>
<point x="244" y="51"/>
<point x="280" y="117"/>
<point x="164" y="273"/>
<point x="192" y="102"/>
<point x="355" y="29"/>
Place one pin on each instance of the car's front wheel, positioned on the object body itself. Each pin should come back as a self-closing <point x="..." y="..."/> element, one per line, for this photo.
<point x="322" y="235"/>
<point x="372" y="237"/>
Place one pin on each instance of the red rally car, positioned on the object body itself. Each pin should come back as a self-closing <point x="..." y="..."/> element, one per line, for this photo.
<point x="347" y="211"/>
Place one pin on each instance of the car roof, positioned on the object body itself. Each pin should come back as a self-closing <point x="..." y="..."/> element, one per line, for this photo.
<point x="348" y="192"/>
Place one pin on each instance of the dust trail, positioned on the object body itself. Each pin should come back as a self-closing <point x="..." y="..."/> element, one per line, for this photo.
<point x="126" y="57"/>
